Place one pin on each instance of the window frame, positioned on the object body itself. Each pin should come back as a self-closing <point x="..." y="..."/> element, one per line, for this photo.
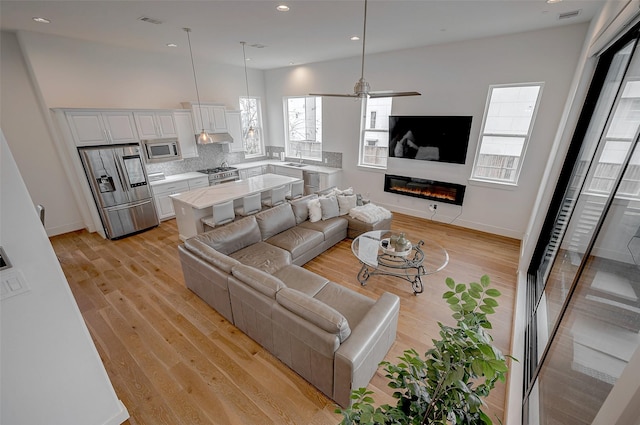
<point x="287" y="141"/>
<point x="526" y="137"/>
<point x="365" y="120"/>
<point x="259" y="129"/>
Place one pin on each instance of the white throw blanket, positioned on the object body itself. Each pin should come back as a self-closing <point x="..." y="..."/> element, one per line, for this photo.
<point x="369" y="213"/>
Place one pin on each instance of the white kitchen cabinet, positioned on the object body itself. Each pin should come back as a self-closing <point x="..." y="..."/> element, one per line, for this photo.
<point x="164" y="204"/>
<point x="286" y="171"/>
<point x="252" y="172"/>
<point x="198" y="182"/>
<point x="328" y="180"/>
<point x="155" y="124"/>
<point x="162" y="192"/>
<point x="212" y="114"/>
<point x="186" y="133"/>
<point x="95" y="127"/>
<point x="234" y="124"/>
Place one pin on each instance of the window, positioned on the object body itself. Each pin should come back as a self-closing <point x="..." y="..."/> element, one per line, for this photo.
<point x="303" y="124"/>
<point x="252" y="134"/>
<point x="374" y="144"/>
<point x="505" y="132"/>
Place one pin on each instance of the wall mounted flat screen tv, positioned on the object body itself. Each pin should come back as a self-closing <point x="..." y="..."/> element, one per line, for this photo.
<point x="429" y="138"/>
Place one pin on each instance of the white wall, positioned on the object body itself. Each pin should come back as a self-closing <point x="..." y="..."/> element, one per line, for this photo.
<point x="51" y="370"/>
<point x="24" y="125"/>
<point x="454" y="80"/>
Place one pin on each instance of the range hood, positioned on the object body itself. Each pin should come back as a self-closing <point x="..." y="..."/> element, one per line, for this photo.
<point x="219" y="137"/>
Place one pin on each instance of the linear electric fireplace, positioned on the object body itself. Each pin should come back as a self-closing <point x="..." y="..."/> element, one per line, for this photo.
<point x="449" y="193"/>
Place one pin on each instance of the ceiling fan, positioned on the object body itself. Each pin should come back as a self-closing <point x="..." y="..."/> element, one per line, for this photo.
<point x="362" y="89"/>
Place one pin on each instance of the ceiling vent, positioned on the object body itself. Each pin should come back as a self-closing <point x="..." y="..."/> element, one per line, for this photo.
<point x="149" y="20"/>
<point x="569" y="15"/>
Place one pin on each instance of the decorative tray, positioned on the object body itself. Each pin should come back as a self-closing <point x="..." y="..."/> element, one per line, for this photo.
<point x="386" y="247"/>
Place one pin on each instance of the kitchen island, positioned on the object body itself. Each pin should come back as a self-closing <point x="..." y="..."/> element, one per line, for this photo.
<point x="193" y="205"/>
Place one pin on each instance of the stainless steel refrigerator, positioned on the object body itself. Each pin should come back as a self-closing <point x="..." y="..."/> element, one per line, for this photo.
<point x="120" y="188"/>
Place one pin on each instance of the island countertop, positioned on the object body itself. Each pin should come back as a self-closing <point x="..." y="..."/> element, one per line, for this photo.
<point x="208" y="196"/>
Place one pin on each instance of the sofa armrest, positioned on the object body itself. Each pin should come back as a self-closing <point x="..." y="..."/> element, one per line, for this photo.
<point x="357" y="359"/>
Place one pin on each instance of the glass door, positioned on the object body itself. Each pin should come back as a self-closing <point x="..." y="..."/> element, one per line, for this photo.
<point x="584" y="294"/>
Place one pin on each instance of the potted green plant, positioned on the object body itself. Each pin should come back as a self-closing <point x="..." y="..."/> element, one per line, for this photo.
<point x="449" y="384"/>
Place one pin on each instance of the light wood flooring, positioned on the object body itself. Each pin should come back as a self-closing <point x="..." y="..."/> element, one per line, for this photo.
<point x="173" y="360"/>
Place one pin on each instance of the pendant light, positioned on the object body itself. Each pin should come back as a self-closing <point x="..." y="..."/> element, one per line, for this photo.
<point x="251" y="132"/>
<point x="203" y="138"/>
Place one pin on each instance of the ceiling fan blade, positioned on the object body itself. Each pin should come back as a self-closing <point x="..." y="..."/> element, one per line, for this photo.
<point x="393" y="94"/>
<point x="334" y="94"/>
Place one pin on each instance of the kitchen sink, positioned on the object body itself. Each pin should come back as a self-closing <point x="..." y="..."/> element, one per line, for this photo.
<point x="295" y="164"/>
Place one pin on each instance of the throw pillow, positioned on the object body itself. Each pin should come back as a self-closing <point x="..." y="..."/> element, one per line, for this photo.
<point x="315" y="211"/>
<point x="329" y="206"/>
<point x="301" y="207"/>
<point x="346" y="202"/>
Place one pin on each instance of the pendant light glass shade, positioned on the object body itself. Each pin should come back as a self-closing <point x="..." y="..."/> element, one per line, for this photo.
<point x="204" y="138"/>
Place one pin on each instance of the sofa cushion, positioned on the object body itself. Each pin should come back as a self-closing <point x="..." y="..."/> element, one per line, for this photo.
<point x="329" y="206"/>
<point x="261" y="281"/>
<point x="275" y="220"/>
<point x="264" y="256"/>
<point x="301" y="279"/>
<point x="353" y="305"/>
<point x="315" y="311"/>
<point x="330" y="228"/>
<point x="300" y="207"/>
<point x="214" y="257"/>
<point x="297" y="240"/>
<point x="233" y="236"/>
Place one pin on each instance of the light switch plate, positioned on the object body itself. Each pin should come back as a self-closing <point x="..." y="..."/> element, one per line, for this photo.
<point x="12" y="283"/>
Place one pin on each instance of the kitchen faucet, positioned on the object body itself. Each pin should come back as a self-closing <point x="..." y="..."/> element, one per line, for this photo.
<point x="224" y="164"/>
<point x="300" y="156"/>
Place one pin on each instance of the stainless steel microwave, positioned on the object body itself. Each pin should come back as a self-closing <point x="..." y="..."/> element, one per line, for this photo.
<point x="159" y="150"/>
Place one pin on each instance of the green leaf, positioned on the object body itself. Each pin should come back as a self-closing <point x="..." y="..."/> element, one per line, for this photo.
<point x="476" y="286"/>
<point x="485" y="308"/>
<point x="450" y="283"/>
<point x="490" y="302"/>
<point x="499" y="365"/>
<point x="460" y="287"/>
<point x="475" y="294"/>
<point x="453" y="300"/>
<point x="448" y="294"/>
<point x="484" y="280"/>
<point x="492" y="292"/>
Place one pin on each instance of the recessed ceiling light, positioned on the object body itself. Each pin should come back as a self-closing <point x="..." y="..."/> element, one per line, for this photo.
<point x="41" y="20"/>
<point x="553" y="1"/>
<point x="172" y="45"/>
<point x="354" y="38"/>
<point x="282" y="8"/>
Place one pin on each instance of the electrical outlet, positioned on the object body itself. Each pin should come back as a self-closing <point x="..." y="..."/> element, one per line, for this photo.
<point x="433" y="207"/>
<point x="326" y="160"/>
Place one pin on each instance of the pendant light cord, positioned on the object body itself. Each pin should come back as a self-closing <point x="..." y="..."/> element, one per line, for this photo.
<point x="246" y="78"/>
<point x="195" y="80"/>
<point x="250" y="130"/>
<point x="364" y="38"/>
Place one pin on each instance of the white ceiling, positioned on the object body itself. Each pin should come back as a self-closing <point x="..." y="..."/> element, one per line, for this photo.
<point x="312" y="31"/>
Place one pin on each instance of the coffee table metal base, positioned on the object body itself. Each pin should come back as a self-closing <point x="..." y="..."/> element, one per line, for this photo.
<point x="413" y="278"/>
<point x="409" y="268"/>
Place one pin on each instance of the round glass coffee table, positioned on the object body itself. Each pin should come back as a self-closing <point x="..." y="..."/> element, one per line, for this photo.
<point x="379" y="258"/>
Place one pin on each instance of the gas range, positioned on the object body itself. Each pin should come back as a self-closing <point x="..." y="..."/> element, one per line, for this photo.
<point x="221" y="174"/>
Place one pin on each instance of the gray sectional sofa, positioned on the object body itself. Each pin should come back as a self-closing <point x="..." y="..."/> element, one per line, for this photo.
<point x="250" y="272"/>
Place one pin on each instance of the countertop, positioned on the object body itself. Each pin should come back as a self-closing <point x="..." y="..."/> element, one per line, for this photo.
<point x="307" y="167"/>
<point x="178" y="177"/>
<point x="208" y="196"/>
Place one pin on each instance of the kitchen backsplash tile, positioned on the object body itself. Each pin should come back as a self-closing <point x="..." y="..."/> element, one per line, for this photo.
<point x="211" y="156"/>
